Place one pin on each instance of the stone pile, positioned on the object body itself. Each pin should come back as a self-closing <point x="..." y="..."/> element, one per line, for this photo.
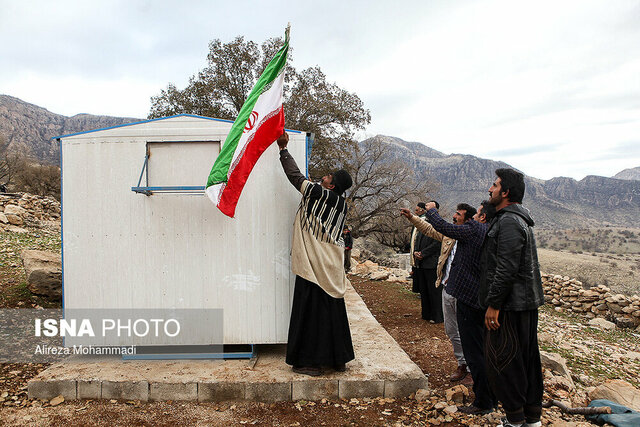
<point x="598" y="302"/>
<point x="24" y="209"/>
<point x="383" y="261"/>
<point x="564" y="293"/>
<point x="373" y="271"/>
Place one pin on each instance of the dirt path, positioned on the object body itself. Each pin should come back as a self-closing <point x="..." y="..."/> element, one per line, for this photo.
<point x="394" y="306"/>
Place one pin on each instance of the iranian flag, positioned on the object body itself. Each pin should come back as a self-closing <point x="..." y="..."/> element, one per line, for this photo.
<point x="259" y="123"/>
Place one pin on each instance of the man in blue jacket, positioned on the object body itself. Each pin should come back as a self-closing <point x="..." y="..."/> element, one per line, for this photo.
<point x="511" y="292"/>
<point x="463" y="284"/>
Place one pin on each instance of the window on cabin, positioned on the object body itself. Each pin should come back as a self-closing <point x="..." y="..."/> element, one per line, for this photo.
<point x="186" y="163"/>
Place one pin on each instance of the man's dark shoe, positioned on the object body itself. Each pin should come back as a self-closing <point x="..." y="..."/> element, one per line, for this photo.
<point x="307" y="370"/>
<point x="474" y="410"/>
<point x="459" y="374"/>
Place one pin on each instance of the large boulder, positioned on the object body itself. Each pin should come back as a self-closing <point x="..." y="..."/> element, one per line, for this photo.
<point x="44" y="272"/>
<point x="555" y="363"/>
<point x="366" y="267"/>
<point x="15" y="214"/>
<point x="602" y="324"/>
<point x="618" y="391"/>
<point x="14" y="210"/>
<point x="379" y="275"/>
<point x="14" y="219"/>
<point x="15" y="229"/>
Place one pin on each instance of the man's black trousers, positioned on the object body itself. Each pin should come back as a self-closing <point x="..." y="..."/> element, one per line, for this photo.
<point x="471" y="329"/>
<point x="430" y="296"/>
<point x="513" y="365"/>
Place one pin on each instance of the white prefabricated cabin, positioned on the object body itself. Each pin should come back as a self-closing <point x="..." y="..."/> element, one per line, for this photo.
<point x="156" y="249"/>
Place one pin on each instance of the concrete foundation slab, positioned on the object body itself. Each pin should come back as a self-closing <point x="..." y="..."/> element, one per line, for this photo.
<point x="221" y="391"/>
<point x="403" y="388"/>
<point x="350" y="389"/>
<point x="315" y="390"/>
<point x="50" y="388"/>
<point x="125" y="390"/>
<point x="89" y="389"/>
<point x="268" y="392"/>
<point x="381" y="368"/>
<point x="173" y="391"/>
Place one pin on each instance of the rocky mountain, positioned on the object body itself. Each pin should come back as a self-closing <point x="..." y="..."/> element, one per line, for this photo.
<point x="29" y="128"/>
<point x="558" y="202"/>
<point x="631" y="173"/>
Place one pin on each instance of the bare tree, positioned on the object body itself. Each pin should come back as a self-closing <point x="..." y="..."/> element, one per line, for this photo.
<point x="381" y="185"/>
<point x="40" y="179"/>
<point x="10" y="163"/>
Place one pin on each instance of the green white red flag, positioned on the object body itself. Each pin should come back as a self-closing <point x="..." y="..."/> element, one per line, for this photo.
<point x="259" y="123"/>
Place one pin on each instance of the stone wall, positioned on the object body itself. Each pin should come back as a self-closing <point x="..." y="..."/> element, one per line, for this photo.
<point x="569" y="295"/>
<point x="562" y="292"/>
<point x="24" y="209"/>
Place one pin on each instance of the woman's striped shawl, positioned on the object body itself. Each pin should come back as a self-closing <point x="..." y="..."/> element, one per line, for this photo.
<point x="323" y="213"/>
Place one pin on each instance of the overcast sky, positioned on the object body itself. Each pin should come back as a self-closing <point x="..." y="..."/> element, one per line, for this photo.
<point x="550" y="87"/>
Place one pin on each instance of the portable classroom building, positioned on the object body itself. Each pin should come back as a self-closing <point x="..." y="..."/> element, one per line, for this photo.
<point x="176" y="250"/>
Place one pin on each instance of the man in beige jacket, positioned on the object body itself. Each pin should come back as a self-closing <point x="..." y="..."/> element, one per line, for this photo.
<point x="464" y="213"/>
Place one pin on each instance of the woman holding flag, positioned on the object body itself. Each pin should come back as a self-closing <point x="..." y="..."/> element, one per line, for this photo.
<point x="319" y="334"/>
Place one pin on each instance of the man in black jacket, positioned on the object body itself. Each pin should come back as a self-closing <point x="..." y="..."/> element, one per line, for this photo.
<point x="511" y="292"/>
<point x="425" y="253"/>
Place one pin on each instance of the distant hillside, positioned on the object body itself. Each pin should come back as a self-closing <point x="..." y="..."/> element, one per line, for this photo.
<point x="558" y="203"/>
<point x="631" y="173"/>
<point x="29" y="128"/>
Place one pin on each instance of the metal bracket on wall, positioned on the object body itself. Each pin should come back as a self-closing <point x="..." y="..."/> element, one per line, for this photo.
<point x="148" y="191"/>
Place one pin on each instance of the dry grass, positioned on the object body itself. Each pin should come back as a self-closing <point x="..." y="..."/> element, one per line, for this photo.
<point x="619" y="272"/>
<point x="606" y="240"/>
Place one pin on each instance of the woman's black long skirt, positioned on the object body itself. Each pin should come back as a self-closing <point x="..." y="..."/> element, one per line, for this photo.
<point x="319" y="332"/>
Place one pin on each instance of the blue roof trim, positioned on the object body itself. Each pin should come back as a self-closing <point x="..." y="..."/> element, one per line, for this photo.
<point x="152" y="120"/>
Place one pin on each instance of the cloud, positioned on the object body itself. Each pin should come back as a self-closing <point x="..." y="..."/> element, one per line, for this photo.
<point x="550" y="87"/>
<point x="522" y="151"/>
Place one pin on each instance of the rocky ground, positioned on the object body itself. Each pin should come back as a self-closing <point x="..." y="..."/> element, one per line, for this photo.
<point x="592" y="356"/>
<point x="14" y="292"/>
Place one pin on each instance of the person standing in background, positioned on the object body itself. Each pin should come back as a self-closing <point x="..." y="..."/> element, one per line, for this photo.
<point x="348" y="245"/>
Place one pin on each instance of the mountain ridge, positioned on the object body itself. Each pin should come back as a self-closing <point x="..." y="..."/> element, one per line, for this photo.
<point x="629" y="174"/>
<point x="558" y="202"/>
<point x="29" y="127"/>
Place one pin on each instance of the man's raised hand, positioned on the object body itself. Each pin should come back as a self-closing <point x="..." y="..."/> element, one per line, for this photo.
<point x="406" y="213"/>
<point x="283" y="140"/>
